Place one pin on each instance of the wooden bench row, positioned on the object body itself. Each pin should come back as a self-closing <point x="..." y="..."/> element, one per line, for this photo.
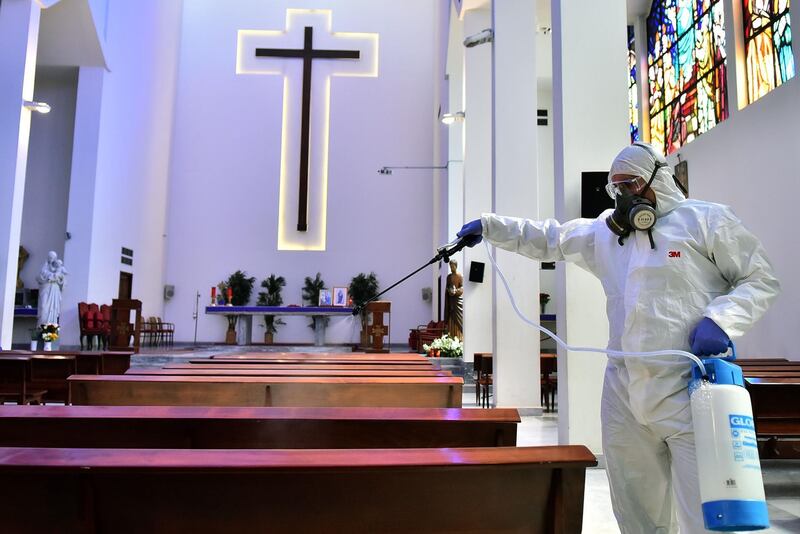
<point x="529" y="489"/>
<point x="176" y="427"/>
<point x="160" y="390"/>
<point x="774" y="387"/>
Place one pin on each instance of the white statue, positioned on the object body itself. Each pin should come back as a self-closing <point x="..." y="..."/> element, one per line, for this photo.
<point x="51" y="282"/>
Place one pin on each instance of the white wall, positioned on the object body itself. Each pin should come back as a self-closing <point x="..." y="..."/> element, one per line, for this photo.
<point x="128" y="200"/>
<point x="749" y="163"/>
<point x="44" y="212"/>
<point x="226" y="157"/>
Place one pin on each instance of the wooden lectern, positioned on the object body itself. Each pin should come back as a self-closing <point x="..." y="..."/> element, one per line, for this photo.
<point x="121" y="327"/>
<point x="374" y="326"/>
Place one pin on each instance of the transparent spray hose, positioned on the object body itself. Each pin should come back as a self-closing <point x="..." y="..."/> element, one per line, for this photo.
<point x="561" y="342"/>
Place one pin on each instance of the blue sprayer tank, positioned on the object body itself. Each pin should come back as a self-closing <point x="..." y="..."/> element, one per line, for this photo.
<point x="731" y="486"/>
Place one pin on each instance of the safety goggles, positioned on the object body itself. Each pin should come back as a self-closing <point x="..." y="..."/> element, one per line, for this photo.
<point x="631" y="185"/>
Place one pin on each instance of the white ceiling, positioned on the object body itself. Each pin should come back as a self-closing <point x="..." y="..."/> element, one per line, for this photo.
<point x="68" y="36"/>
<point x="638" y="8"/>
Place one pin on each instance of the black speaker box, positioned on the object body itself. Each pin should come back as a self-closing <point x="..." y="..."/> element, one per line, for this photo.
<point x="594" y="199"/>
<point x="476" y="271"/>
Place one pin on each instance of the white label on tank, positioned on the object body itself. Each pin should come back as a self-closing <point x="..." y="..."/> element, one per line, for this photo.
<point x="743" y="439"/>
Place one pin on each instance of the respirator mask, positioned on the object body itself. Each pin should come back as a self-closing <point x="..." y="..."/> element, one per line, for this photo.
<point x="633" y="211"/>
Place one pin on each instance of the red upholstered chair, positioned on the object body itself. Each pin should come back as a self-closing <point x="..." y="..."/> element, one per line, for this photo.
<point x="83" y="309"/>
<point x="105" y="313"/>
<point x="94" y="326"/>
<point x="427" y="333"/>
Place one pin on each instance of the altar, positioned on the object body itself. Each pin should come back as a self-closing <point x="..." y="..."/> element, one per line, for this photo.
<point x="244" y="315"/>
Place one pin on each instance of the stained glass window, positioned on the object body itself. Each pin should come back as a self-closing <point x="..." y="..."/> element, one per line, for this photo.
<point x="686" y="70"/>
<point x="767" y="45"/>
<point x="633" y="88"/>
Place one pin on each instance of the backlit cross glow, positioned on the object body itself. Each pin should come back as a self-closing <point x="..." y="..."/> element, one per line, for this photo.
<point x="314" y="237"/>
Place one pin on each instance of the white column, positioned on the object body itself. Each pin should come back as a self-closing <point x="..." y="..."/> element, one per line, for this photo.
<point x="736" y="68"/>
<point x="642" y="80"/>
<point x="477" y="180"/>
<point x="78" y="254"/>
<point x="455" y="139"/>
<point x="590" y="127"/>
<point x="515" y="181"/>
<point x="19" y="33"/>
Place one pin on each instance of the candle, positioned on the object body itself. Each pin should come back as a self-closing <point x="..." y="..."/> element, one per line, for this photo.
<point x="213" y="293"/>
<point x="230" y="293"/>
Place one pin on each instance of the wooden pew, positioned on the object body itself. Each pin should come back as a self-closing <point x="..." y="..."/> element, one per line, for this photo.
<point x="15" y="380"/>
<point x="89" y="362"/>
<point x="777" y="413"/>
<point x="385" y="359"/>
<point x="322" y="360"/>
<point x="361" y="357"/>
<point x="46" y="374"/>
<point x="531" y="489"/>
<point x="178" y="427"/>
<point x="214" y="370"/>
<point x="133" y="390"/>
<point x="308" y="366"/>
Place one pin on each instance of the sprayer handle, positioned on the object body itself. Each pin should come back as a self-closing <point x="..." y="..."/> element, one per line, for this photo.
<point x="732" y="356"/>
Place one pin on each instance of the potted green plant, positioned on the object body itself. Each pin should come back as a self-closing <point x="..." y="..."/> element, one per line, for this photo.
<point x="544" y="298"/>
<point x="235" y="291"/>
<point x="311" y="289"/>
<point x="36" y="335"/>
<point x="362" y="288"/>
<point x="271" y="297"/>
<point x="241" y="287"/>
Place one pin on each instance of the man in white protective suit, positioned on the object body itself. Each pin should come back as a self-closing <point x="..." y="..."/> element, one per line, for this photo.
<point x="678" y="274"/>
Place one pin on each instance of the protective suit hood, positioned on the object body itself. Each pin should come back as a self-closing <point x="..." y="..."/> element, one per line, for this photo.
<point x="639" y="159"/>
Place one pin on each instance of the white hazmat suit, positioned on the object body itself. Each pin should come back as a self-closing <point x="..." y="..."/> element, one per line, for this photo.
<point x="705" y="264"/>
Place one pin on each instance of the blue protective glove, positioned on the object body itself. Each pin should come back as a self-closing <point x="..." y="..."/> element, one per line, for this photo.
<point x="472" y="232"/>
<point x="708" y="339"/>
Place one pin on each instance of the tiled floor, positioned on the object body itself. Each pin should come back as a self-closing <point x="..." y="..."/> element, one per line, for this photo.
<point x="781" y="478"/>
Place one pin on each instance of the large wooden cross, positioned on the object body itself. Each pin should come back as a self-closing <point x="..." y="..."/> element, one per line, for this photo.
<point x="307" y="54"/>
<point x="306" y="109"/>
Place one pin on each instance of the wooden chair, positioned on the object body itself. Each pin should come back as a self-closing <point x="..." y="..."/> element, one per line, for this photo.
<point x="166" y="332"/>
<point x="477" y="359"/>
<point x="485" y="379"/>
<point x="425" y="334"/>
<point x="145" y="334"/>
<point x="549" y="381"/>
<point x="14" y="382"/>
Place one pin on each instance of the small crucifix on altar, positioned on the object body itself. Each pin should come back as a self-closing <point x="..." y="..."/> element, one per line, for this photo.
<point x="307" y="42"/>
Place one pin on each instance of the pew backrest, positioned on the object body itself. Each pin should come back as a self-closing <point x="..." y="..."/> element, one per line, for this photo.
<point x="531" y="489"/>
<point x="177" y="427"/>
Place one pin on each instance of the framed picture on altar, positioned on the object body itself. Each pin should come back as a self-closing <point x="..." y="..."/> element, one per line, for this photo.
<point x="324" y="297"/>
<point x="340" y="296"/>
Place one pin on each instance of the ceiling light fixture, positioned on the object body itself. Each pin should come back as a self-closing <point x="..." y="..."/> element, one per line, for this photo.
<point x="39" y="107"/>
<point x="450" y="118"/>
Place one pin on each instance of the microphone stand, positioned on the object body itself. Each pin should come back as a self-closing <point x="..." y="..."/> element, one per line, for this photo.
<point x="443" y="253"/>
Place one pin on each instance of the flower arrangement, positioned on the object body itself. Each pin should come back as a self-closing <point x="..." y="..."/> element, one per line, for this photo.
<point x="49" y="332"/>
<point x="446" y="346"/>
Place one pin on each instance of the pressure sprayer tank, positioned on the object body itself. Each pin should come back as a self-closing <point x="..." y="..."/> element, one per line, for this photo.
<point x="731" y="486"/>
